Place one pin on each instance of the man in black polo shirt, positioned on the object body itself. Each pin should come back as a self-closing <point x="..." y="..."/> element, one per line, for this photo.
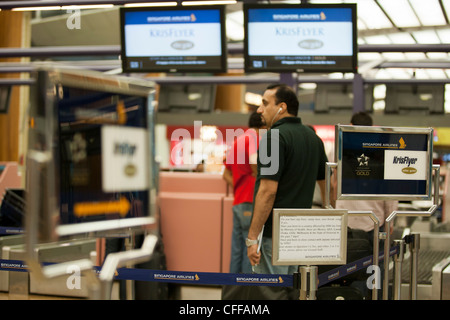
<point x="291" y="159"/>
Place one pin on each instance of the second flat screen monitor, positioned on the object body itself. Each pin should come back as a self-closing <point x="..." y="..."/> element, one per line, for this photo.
<point x="300" y="38"/>
<point x="186" y="39"/>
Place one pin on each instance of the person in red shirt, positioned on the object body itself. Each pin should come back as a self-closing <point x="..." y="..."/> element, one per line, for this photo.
<point x="240" y="174"/>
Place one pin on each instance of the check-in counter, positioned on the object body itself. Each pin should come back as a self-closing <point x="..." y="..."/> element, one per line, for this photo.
<point x="196" y="221"/>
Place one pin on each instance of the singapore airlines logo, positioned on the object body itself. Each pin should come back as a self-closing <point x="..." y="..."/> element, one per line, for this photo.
<point x="402" y="143"/>
<point x="323" y="16"/>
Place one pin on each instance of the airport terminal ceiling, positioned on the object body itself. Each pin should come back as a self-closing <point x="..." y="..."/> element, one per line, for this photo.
<point x="380" y="22"/>
<point x="397" y="40"/>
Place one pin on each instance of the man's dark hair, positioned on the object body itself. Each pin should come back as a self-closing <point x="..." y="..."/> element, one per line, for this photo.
<point x="255" y="121"/>
<point x="361" y="119"/>
<point x="285" y="94"/>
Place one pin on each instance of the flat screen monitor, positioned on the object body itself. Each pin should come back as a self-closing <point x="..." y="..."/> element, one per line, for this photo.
<point x="300" y="38"/>
<point x="413" y="98"/>
<point x="335" y="98"/>
<point x="187" y="98"/>
<point x="184" y="39"/>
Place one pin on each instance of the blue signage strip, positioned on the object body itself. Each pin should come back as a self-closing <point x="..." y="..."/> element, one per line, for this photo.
<point x="11" y="230"/>
<point x="172" y="16"/>
<point x="213" y="278"/>
<point x="300" y="15"/>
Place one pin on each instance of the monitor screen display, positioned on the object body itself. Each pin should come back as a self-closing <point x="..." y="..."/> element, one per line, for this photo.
<point x="185" y="39"/>
<point x="300" y="38"/>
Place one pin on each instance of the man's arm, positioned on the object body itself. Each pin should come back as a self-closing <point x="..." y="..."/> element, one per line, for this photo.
<point x="254" y="168"/>
<point x="228" y="177"/>
<point x="322" y="186"/>
<point x="261" y="210"/>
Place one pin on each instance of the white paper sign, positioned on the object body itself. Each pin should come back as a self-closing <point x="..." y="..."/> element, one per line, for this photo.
<point x="310" y="237"/>
<point x="124" y="159"/>
<point x="405" y="165"/>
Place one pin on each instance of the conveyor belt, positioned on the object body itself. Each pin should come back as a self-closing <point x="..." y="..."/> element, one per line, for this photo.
<point x="427" y="260"/>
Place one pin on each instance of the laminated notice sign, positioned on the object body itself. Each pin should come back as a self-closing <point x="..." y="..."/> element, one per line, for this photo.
<point x="384" y="162"/>
<point x="309" y="236"/>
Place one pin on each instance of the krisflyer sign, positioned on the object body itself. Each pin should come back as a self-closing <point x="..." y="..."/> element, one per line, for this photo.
<point x="384" y="162"/>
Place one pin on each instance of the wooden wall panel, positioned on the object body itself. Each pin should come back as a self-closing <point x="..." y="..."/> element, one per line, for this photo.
<point x="11" y="30"/>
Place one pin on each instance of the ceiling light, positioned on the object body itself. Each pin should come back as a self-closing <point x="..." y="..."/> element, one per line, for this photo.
<point x="398" y="73"/>
<point x="444" y="35"/>
<point x="151" y="4"/>
<point x="401" y="38"/>
<point x="36" y="8"/>
<point x="437" y="55"/>
<point x="378" y="39"/>
<point x="393" y="56"/>
<point x="446" y="4"/>
<point x="426" y="37"/>
<point x="369" y="56"/>
<point x="429" y="12"/>
<point x="87" y="6"/>
<point x="421" y="74"/>
<point x="372" y="15"/>
<point x="207" y="2"/>
<point x="436" y="73"/>
<point x="415" y="56"/>
<point x="400" y="12"/>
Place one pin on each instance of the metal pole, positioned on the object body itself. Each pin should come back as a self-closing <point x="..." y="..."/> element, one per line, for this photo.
<point x="328" y="172"/>
<point x="376" y="253"/>
<point x="129" y="245"/>
<point x="387" y="248"/>
<point x="308" y="289"/>
<point x="398" y="260"/>
<point x="414" y="249"/>
<point x="358" y="93"/>
<point x="376" y="245"/>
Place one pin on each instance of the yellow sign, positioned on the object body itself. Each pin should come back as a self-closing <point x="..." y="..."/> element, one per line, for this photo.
<point x="442" y="136"/>
<point x="83" y="209"/>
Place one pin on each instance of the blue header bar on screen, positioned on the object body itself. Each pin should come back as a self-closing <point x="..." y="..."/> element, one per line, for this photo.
<point x="300" y="15"/>
<point x="172" y="16"/>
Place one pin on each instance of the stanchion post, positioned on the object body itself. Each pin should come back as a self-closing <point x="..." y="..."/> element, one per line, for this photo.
<point x="129" y="245"/>
<point x="328" y="173"/>
<point x="308" y="282"/>
<point x="414" y="247"/>
<point x="376" y="248"/>
<point x="398" y="261"/>
<point x="390" y="219"/>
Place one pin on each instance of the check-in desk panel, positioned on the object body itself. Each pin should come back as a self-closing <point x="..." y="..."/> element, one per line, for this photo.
<point x="196" y="221"/>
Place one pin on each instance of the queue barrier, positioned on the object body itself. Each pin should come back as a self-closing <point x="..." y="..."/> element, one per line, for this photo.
<point x="213" y="278"/>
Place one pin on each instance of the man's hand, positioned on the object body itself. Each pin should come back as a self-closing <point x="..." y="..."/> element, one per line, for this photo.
<point x="253" y="255"/>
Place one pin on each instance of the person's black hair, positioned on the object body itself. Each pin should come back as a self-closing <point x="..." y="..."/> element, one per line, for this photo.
<point x="286" y="94"/>
<point x="255" y="121"/>
<point x="361" y="119"/>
